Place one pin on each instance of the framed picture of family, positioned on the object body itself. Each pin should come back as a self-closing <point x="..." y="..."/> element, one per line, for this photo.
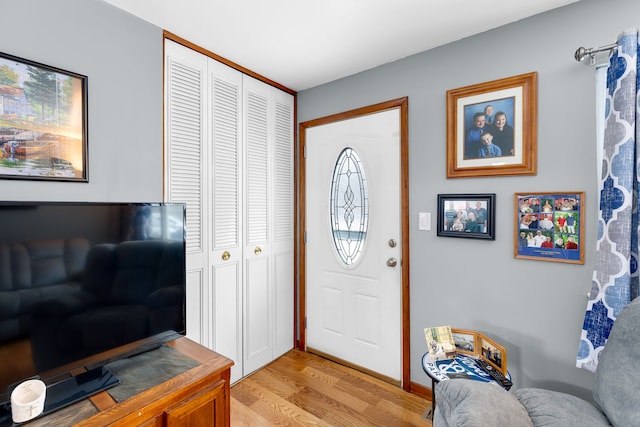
<point x="550" y="226"/>
<point x="493" y="353"/>
<point x="470" y="216"/>
<point x="492" y="128"/>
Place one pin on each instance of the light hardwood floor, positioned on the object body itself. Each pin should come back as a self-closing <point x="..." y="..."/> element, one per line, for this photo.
<point x="300" y="389"/>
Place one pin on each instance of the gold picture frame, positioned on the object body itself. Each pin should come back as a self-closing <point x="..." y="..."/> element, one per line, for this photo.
<point x="549" y="226"/>
<point x="466" y="341"/>
<point x="493" y="353"/>
<point x="513" y="150"/>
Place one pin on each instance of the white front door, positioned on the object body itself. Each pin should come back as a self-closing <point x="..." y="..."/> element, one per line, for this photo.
<point x="353" y="249"/>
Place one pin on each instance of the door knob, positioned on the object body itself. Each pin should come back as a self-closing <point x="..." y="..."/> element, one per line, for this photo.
<point x="392" y="262"/>
<point x="226" y="255"/>
<point x="392" y="243"/>
<point x="257" y="250"/>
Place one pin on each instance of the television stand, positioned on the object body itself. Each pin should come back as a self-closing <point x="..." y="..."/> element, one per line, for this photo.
<point x="199" y="391"/>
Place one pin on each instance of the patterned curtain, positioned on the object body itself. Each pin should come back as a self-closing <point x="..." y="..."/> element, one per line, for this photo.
<point x="615" y="276"/>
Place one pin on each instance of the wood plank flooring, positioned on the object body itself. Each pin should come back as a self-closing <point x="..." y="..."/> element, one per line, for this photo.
<point x="301" y="389"/>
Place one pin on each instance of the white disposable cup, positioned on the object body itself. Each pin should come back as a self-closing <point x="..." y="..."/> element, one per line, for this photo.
<point x="27" y="400"/>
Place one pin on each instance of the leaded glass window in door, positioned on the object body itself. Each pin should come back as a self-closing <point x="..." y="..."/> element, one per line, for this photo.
<point x="349" y="206"/>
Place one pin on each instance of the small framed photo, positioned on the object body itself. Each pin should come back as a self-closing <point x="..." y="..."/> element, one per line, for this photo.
<point x="43" y="122"/>
<point x="440" y="343"/>
<point x="465" y="341"/>
<point x="470" y="216"/>
<point x="493" y="353"/>
<point x="492" y="128"/>
<point x="549" y="226"/>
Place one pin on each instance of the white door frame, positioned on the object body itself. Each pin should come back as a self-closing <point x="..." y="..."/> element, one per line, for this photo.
<point x="403" y="105"/>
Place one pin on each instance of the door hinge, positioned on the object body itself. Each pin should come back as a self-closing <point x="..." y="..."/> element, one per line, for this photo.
<point x="304" y="151"/>
<point x="305" y="237"/>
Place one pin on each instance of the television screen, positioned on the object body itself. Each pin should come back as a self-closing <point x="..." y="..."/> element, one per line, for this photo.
<point x="78" y="279"/>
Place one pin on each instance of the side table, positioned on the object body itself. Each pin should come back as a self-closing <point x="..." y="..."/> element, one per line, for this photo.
<point x="180" y="383"/>
<point x="461" y="366"/>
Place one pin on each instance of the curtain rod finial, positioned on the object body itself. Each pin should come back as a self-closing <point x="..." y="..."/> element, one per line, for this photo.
<point x="580" y="54"/>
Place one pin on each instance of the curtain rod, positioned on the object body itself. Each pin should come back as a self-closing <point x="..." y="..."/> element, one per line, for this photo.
<point x="582" y="53"/>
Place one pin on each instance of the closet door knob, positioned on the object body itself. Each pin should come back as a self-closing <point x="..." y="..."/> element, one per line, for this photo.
<point x="257" y="250"/>
<point x="226" y="255"/>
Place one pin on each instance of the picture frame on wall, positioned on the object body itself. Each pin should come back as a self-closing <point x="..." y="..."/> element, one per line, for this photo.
<point x="492" y="128"/>
<point x="471" y="216"/>
<point x="43" y="122"/>
<point x="549" y="226"/>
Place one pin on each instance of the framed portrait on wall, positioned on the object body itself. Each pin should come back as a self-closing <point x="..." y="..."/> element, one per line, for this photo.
<point x="492" y="128"/>
<point x="549" y="226"/>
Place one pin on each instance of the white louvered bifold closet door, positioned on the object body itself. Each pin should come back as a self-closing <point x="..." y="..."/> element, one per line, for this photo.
<point x="283" y="188"/>
<point x="258" y="327"/>
<point x="269" y="189"/>
<point x="230" y="158"/>
<point x="187" y="171"/>
<point x="226" y="205"/>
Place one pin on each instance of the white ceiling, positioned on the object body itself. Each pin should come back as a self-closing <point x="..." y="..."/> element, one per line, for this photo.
<point x="303" y="43"/>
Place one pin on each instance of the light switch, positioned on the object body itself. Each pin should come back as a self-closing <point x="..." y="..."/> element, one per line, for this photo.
<point x="424" y="221"/>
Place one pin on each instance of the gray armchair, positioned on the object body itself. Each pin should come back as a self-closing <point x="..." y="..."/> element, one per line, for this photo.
<point x="466" y="403"/>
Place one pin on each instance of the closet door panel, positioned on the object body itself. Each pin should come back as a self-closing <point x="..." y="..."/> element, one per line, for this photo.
<point x="186" y="177"/>
<point x="226" y="207"/>
<point x="227" y="315"/>
<point x="283" y="222"/>
<point x="258" y="331"/>
<point x="283" y="303"/>
<point x="257" y="162"/>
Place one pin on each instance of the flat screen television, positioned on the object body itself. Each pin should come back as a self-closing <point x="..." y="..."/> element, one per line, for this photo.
<point x="79" y="280"/>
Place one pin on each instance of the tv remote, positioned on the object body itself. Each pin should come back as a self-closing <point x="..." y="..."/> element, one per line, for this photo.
<point x="494" y="373"/>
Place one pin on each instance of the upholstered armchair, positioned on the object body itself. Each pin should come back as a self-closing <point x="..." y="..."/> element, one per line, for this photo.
<point x="616" y="391"/>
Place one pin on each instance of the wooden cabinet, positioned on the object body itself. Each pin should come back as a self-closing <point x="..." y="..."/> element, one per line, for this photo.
<point x="208" y="407"/>
<point x="199" y="396"/>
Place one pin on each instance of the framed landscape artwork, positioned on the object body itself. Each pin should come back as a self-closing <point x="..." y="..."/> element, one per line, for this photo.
<point x="550" y="226"/>
<point x="43" y="122"/>
<point x="492" y="128"/>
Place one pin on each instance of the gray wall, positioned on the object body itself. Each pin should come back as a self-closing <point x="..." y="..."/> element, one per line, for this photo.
<point x="122" y="57"/>
<point x="534" y="308"/>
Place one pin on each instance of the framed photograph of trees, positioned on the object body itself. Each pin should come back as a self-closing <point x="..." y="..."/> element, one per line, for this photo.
<point x="43" y="122"/>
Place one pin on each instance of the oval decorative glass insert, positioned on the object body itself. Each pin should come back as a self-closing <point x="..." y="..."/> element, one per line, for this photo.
<point x="349" y="206"/>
